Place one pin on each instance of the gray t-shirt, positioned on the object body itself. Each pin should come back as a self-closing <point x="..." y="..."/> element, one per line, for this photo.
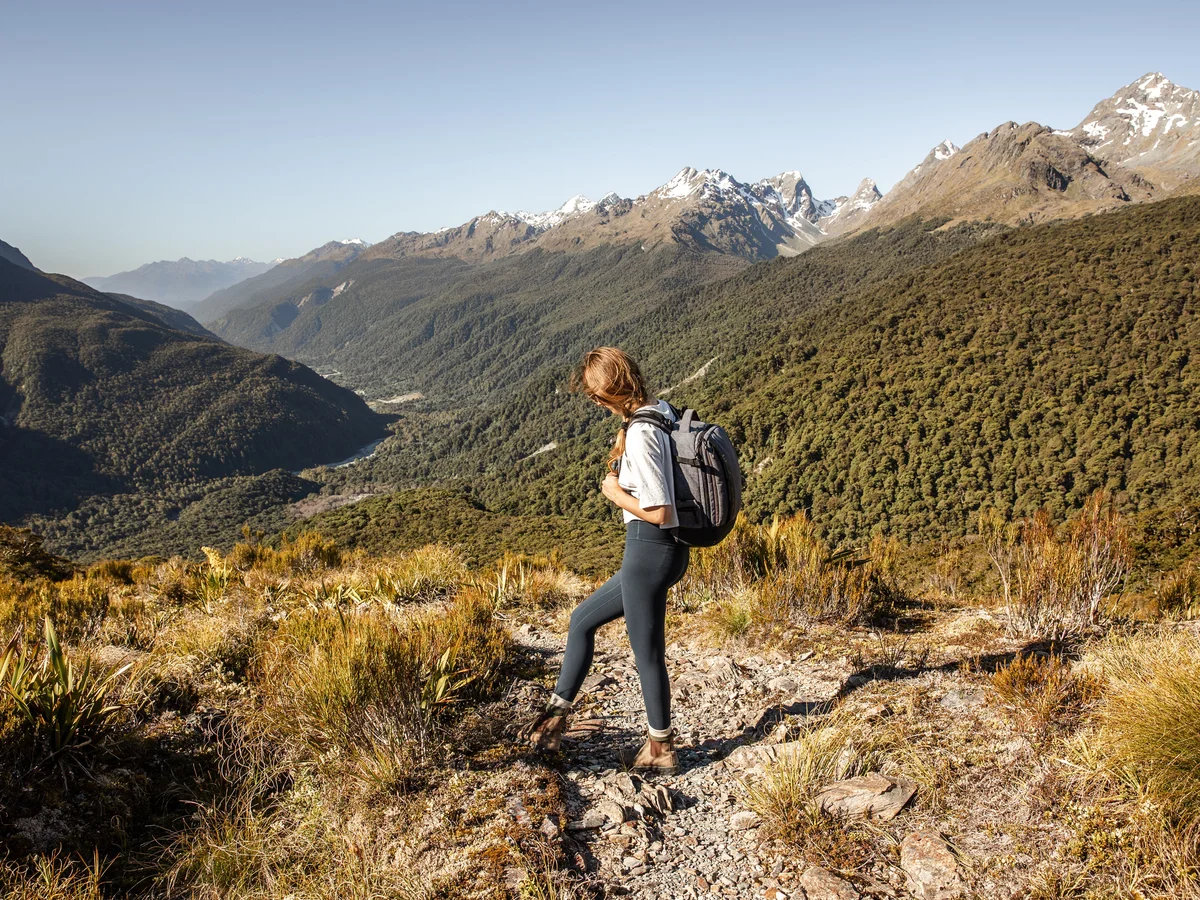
<point x="646" y="466"/>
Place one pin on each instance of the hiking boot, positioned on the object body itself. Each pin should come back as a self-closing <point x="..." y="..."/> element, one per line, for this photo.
<point x="654" y="755"/>
<point x="546" y="731"/>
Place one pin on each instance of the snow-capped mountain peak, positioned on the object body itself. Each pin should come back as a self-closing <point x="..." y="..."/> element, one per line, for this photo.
<point x="945" y="150"/>
<point x="1150" y="123"/>
<point x="358" y="241"/>
<point x="575" y="206"/>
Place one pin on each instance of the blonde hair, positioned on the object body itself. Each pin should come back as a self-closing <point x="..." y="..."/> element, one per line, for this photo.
<point x="612" y="377"/>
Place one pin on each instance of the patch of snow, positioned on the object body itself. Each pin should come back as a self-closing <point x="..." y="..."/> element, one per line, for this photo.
<point x="684" y="184"/>
<point x="1155" y="92"/>
<point x="575" y="206"/>
<point x="354" y="241"/>
<point x="1095" y="130"/>
<point x="1141" y="115"/>
<point x="827" y="208"/>
<point x="944" y="150"/>
<point x="1171" y="120"/>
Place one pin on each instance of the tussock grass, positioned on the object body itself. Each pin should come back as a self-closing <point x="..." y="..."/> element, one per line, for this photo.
<point x="539" y="582"/>
<point x="781" y="575"/>
<point x="52" y="877"/>
<point x="363" y="690"/>
<point x="1149" y="719"/>
<point x="1177" y="593"/>
<point x="836" y="748"/>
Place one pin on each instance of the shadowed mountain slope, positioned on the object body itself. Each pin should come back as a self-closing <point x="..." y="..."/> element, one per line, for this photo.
<point x="98" y="394"/>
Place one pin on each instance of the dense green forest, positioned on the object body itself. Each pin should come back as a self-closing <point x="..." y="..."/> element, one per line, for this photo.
<point x="896" y="382"/>
<point x="100" y="397"/>
<point x="458" y="332"/>
<point x="488" y="445"/>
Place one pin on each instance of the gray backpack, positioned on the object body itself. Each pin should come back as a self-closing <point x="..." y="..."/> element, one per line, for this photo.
<point x="708" y="480"/>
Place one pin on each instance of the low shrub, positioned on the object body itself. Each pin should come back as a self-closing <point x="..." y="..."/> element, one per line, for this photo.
<point x="1043" y="693"/>
<point x="1177" y="593"/>
<point x="795" y="576"/>
<point x="1059" y="585"/>
<point x="65" y="708"/>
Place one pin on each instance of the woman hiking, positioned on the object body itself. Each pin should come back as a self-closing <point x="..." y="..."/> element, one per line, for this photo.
<point x="653" y="561"/>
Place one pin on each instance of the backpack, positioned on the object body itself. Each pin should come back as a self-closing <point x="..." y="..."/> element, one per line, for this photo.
<point x="708" y="480"/>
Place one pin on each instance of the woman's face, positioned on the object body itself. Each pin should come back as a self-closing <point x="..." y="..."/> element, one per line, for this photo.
<point x="604" y="405"/>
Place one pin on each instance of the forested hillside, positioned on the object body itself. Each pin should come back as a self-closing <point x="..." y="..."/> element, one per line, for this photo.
<point x="452" y="330"/>
<point x="99" y="397"/>
<point x="898" y="384"/>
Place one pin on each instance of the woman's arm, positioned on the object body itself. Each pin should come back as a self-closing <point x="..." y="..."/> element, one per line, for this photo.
<point x="655" y="515"/>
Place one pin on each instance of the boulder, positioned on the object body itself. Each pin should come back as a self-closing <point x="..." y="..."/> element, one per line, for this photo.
<point x="930" y="868"/>
<point x="783" y="684"/>
<point x="870" y="796"/>
<point x="612" y="810"/>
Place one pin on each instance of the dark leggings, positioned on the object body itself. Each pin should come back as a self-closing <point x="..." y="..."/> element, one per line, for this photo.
<point x="653" y="562"/>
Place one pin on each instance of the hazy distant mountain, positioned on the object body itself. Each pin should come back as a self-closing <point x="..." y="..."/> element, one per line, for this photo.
<point x="180" y="283"/>
<point x="15" y="256"/>
<point x="324" y="260"/>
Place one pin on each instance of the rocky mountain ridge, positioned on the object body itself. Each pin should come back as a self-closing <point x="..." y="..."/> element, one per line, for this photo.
<point x="16" y="257"/>
<point x="1141" y="144"/>
<point x="1151" y="125"/>
<point x="706" y="209"/>
<point x="320" y="261"/>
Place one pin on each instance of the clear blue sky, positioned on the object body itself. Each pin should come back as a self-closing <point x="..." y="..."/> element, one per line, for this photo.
<point x="133" y="132"/>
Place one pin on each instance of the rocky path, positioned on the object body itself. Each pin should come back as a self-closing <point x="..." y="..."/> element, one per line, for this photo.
<point x="689" y="834"/>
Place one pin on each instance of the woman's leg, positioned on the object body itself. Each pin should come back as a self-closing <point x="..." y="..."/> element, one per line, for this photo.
<point x="602" y="606"/>
<point x="650" y="568"/>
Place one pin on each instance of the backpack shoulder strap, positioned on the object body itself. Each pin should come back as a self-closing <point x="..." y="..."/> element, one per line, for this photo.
<point x="650" y="416"/>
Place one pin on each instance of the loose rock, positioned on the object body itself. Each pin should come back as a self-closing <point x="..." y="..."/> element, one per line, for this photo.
<point x="742" y="821"/>
<point x="930" y="867"/>
<point x="867" y="796"/>
<point x="821" y="884"/>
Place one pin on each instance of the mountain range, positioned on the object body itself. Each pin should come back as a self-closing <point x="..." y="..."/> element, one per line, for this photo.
<point x="181" y="283"/>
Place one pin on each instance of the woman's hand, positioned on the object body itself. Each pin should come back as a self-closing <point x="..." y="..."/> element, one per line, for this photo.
<point x="611" y="489"/>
